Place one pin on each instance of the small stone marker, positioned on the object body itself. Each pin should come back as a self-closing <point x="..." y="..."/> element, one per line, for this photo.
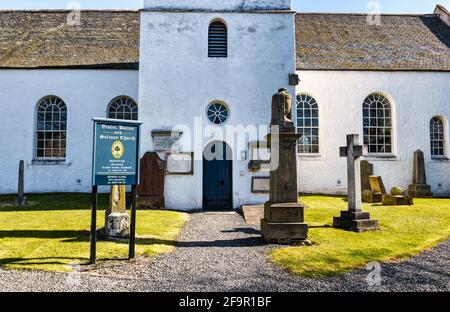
<point x="21" y="200"/>
<point x="397" y="197"/>
<point x="117" y="223"/>
<point x="419" y="188"/>
<point x="377" y="185"/>
<point x="377" y="190"/>
<point x="354" y="219"/>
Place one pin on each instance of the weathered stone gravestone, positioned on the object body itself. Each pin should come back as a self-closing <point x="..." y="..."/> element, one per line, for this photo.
<point x="419" y="188"/>
<point x="354" y="219"/>
<point x="117" y="223"/>
<point x="21" y="200"/>
<point x="151" y="187"/>
<point x="283" y="214"/>
<point x="366" y="172"/>
<point x="397" y="197"/>
<point x="376" y="192"/>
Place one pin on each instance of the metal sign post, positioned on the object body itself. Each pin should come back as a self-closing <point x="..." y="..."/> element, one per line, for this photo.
<point x="115" y="161"/>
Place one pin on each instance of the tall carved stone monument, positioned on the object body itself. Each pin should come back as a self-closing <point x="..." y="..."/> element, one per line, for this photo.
<point x="419" y="188"/>
<point x="283" y="214"/>
<point x="354" y="219"/>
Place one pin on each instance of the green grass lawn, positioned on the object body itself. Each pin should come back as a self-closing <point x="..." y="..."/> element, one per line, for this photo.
<point x="405" y="232"/>
<point x="54" y="232"/>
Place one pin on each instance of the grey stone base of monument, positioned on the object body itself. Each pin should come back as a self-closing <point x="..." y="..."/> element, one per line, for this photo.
<point x="420" y="191"/>
<point x="355" y="221"/>
<point x="284" y="224"/>
<point x="118" y="225"/>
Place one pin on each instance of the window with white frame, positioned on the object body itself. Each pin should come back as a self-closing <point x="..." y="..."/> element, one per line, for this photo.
<point x="217" y="40"/>
<point x="217" y="113"/>
<point x="437" y="138"/>
<point x="307" y="124"/>
<point x="123" y="107"/>
<point x="51" y="127"/>
<point x="377" y="124"/>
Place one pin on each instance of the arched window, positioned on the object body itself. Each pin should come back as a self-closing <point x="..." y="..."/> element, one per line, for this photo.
<point x="51" y="126"/>
<point x="123" y="107"/>
<point x="217" y="40"/>
<point x="377" y="124"/>
<point x="437" y="138"/>
<point x="307" y="124"/>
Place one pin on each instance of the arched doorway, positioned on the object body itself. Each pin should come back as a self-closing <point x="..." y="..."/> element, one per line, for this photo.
<point x="217" y="177"/>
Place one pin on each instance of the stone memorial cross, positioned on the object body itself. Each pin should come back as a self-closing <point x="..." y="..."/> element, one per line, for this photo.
<point x="354" y="219"/>
<point x="353" y="151"/>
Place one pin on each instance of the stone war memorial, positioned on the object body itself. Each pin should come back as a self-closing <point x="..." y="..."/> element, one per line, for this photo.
<point x="354" y="219"/>
<point x="283" y="214"/>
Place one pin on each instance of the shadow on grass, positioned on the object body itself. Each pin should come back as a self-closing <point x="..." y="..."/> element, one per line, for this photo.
<point x="54" y="201"/>
<point x="326" y="226"/>
<point x="79" y="236"/>
<point x="39" y="261"/>
<point x="75" y="235"/>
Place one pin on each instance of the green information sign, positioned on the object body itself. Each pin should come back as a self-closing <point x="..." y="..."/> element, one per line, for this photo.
<point x="116" y="152"/>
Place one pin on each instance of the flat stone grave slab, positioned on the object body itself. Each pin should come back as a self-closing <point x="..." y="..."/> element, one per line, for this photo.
<point x="253" y="214"/>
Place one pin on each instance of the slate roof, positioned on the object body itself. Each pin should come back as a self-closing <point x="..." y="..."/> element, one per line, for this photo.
<point x="348" y="42"/>
<point x="110" y="39"/>
<point x="44" y="39"/>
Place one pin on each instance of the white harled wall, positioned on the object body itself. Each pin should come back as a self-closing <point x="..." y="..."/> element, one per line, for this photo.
<point x="217" y="5"/>
<point x="86" y="93"/>
<point x="178" y="81"/>
<point x="416" y="97"/>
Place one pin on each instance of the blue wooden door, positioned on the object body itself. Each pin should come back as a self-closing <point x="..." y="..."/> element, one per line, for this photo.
<point x="217" y="181"/>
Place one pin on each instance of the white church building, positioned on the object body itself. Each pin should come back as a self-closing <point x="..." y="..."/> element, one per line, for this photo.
<point x="202" y="67"/>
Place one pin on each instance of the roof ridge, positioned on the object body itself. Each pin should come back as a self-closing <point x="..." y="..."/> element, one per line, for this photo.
<point x="364" y="14"/>
<point x="68" y="10"/>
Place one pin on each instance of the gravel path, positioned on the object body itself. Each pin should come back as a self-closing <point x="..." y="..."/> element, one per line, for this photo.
<point x="218" y="252"/>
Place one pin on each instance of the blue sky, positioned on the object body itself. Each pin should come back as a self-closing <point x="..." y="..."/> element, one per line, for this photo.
<point x="360" y="6"/>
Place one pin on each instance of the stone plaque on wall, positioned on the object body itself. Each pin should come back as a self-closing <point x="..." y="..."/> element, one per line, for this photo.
<point x="166" y="140"/>
<point x="259" y="153"/>
<point x="180" y="164"/>
<point x="260" y="185"/>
